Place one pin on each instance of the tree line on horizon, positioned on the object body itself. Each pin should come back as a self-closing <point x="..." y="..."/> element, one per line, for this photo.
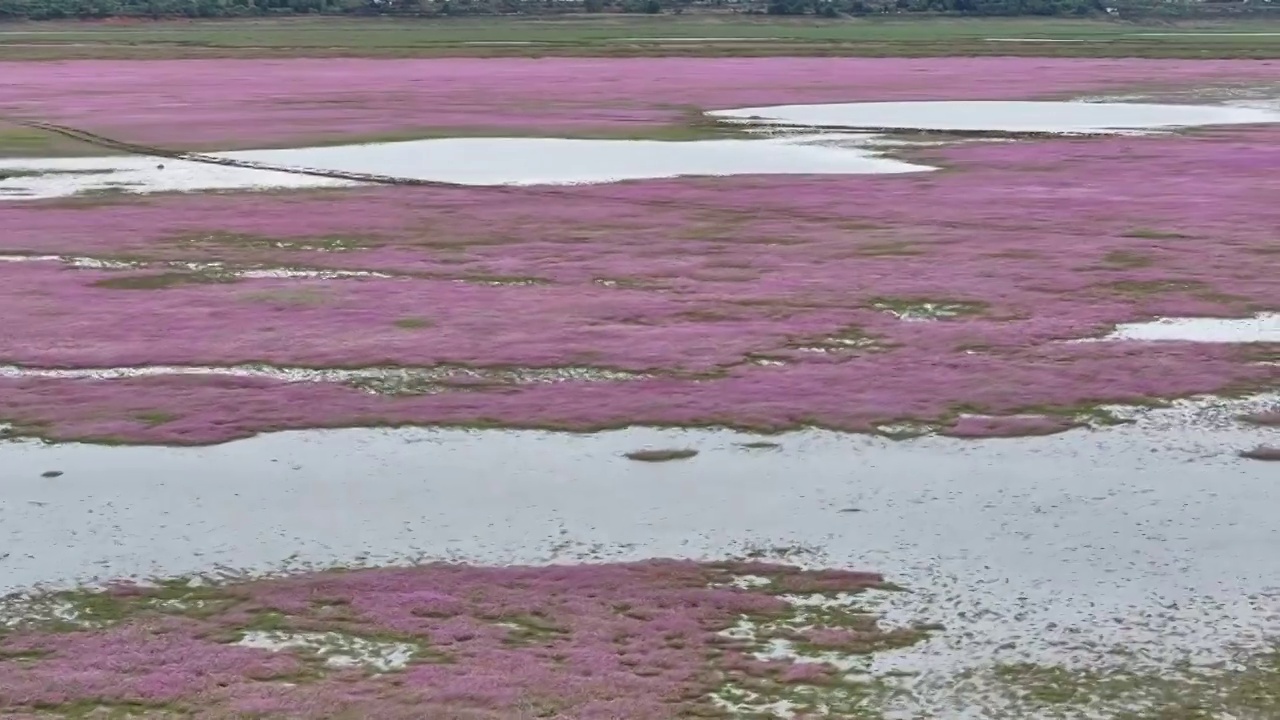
<point x="13" y="10"/>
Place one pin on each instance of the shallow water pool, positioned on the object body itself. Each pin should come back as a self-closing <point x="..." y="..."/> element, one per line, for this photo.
<point x="1263" y="327"/>
<point x="1001" y="116"/>
<point x="561" y="161"/>
<point x="464" y="161"/>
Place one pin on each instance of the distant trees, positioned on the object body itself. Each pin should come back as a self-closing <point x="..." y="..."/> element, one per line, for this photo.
<point x="1004" y="7"/>
<point x="97" y="9"/>
<point x="836" y="8"/>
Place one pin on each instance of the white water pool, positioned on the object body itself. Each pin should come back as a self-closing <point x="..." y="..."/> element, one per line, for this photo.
<point x="1000" y="116"/>
<point x="464" y="161"/>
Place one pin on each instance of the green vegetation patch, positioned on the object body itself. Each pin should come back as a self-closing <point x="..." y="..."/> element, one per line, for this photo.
<point x="1153" y="234"/>
<point x="831" y="638"/>
<point x="1246" y="687"/>
<point x="927" y="309"/>
<point x="654" y="456"/>
<point x="320" y="243"/>
<point x="1126" y="259"/>
<point x="157" y="281"/>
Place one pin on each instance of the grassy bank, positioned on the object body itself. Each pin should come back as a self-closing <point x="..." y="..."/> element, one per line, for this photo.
<point x="592" y="36"/>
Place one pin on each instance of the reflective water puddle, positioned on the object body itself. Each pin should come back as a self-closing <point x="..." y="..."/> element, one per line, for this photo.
<point x="464" y="161"/>
<point x="1261" y="328"/>
<point x="1000" y="116"/>
<point x="556" y="161"/>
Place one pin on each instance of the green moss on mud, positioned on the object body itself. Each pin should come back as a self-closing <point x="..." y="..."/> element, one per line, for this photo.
<point x="655" y="456"/>
<point x="1248" y="687"/>
<point x="528" y="629"/>
<point x="920" y="308"/>
<point x="19" y="141"/>
<point x="412" y="323"/>
<point x="832" y="676"/>
<point x="90" y="608"/>
<point x="320" y="243"/>
<point x="158" y="281"/>
<point x="153" y="418"/>
<point x="1126" y="259"/>
<point x="1146" y="288"/>
<point x="1153" y="234"/>
<point x="890" y="249"/>
<point x="760" y="445"/>
<point x="111" y="710"/>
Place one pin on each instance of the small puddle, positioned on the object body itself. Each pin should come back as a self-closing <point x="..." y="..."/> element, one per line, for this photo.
<point x="375" y="380"/>
<point x="1261" y="328"/>
<point x="1000" y="116"/>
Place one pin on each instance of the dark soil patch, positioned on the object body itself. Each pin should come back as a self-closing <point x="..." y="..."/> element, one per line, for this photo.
<point x="661" y="455"/>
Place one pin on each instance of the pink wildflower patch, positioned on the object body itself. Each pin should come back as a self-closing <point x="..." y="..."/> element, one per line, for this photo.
<point x="248" y="102"/>
<point x="636" y="640"/>
<point x="762" y="302"/>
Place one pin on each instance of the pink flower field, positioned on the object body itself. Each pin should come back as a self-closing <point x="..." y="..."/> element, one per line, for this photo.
<point x="758" y="302"/>
<point x="954" y="301"/>
<point x="640" y="641"/>
<point x="247" y="103"/>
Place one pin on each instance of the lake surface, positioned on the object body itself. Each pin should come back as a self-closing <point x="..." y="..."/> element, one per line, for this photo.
<point x="1047" y="540"/>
